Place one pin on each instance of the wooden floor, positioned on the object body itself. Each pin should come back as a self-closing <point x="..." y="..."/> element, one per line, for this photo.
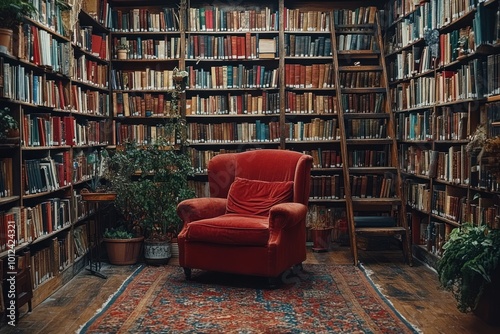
<point x="414" y="292"/>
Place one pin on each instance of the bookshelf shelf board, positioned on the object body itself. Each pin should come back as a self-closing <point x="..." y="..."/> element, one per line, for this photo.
<point x="383" y="141"/>
<point x="404" y="47"/>
<point x="454" y="184"/>
<point x="144" y="33"/>
<point x="357" y="201"/>
<point x="415" y="142"/>
<point x="259" y="116"/>
<point x="43" y="27"/>
<point x="494" y="98"/>
<point x="310" y="89"/>
<point x="79" y="52"/>
<point x="231" y="89"/>
<point x="452" y="142"/>
<point x="7" y="200"/>
<point x="44" y="148"/>
<point x="90" y="85"/>
<point x="414" y="208"/>
<point x="235" y="60"/>
<point x="446" y="220"/>
<point x="322" y="169"/>
<point x="380" y="230"/>
<point x="358" y="115"/>
<point x="327" y="200"/>
<point x="301" y="32"/>
<point x="45" y="193"/>
<point x="424" y="177"/>
<point x="235" y="143"/>
<point x="360" y="68"/>
<point x="146" y="60"/>
<point x="288" y="141"/>
<point x="50" y="235"/>
<point x="372" y="170"/>
<point x="465" y="19"/>
<point x="16" y="248"/>
<point x="354" y="26"/>
<point x="363" y="90"/>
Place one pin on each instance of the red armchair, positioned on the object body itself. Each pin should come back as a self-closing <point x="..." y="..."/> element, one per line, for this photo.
<point x="253" y="223"/>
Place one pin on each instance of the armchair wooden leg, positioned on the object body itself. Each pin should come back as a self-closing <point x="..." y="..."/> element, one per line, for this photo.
<point x="187" y="273"/>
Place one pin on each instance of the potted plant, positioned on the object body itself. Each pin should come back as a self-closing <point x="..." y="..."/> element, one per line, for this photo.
<point x="469" y="268"/>
<point x="320" y="223"/>
<point x="150" y="180"/>
<point x="97" y="190"/>
<point x="12" y="13"/>
<point x="122" y="246"/>
<point x="121" y="51"/>
<point x="9" y="127"/>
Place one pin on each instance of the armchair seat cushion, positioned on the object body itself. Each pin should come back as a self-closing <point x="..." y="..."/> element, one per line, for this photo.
<point x="230" y="229"/>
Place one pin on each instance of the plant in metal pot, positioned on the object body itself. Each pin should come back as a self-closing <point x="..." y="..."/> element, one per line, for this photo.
<point x="470" y="265"/>
<point x="150" y="180"/>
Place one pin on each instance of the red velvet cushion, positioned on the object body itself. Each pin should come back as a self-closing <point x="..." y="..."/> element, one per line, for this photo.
<point x="230" y="229"/>
<point x="255" y="197"/>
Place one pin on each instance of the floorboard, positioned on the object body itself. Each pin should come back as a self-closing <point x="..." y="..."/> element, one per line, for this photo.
<point x="414" y="292"/>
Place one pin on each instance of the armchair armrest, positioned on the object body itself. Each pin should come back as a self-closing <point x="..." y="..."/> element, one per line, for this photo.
<point x="286" y="214"/>
<point x="201" y="208"/>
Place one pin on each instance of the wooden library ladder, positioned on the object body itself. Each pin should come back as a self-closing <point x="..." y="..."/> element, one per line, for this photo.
<point x="372" y="181"/>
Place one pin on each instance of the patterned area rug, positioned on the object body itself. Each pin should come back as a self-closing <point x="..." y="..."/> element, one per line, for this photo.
<point x="320" y="299"/>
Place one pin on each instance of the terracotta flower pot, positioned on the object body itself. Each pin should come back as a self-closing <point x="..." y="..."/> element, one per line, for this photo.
<point x="5" y="40"/>
<point x="123" y="251"/>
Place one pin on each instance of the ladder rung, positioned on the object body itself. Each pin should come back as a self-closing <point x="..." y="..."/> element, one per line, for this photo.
<point x="381" y="230"/>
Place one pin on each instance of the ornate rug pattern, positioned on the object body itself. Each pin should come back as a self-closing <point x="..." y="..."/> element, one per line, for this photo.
<point x="321" y="299"/>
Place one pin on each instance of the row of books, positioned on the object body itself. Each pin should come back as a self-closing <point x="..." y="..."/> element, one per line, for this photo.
<point x="142" y="134"/>
<point x="80" y="239"/>
<point x="23" y="85"/>
<point x="309" y="76"/>
<point x="366" y="128"/>
<point x="143" y="105"/>
<point x="139" y="48"/>
<point x="44" y="175"/>
<point x="42" y="48"/>
<point x="310" y="103"/>
<point x="415" y="125"/>
<point x="149" y="79"/>
<point x="326" y="187"/>
<point x="325" y="158"/>
<point x="240" y="76"/>
<point x="450" y="124"/>
<point x="232" y="104"/>
<point x="360" y="79"/>
<point x="452" y="165"/>
<point x="48" y="262"/>
<point x="418" y="195"/>
<point x="316" y="129"/>
<point x="6" y="177"/>
<point x="212" y="18"/>
<point x="410" y="62"/>
<point x="49" y="14"/>
<point x="95" y="43"/>
<point x="363" y="103"/>
<point x="416" y="93"/>
<point x="417" y="160"/>
<point x="90" y="72"/>
<point x="307" y="46"/>
<point x="201" y="188"/>
<point x="433" y="236"/>
<point x="372" y="185"/>
<point x="89" y="102"/>
<point x="50" y="130"/>
<point x="449" y="203"/>
<point x="467" y="82"/>
<point x="247" y="46"/>
<point x="355" y="41"/>
<point x="493" y="117"/>
<point x="360" y="15"/>
<point x="233" y="132"/>
<point x="368" y="158"/>
<point x="200" y="159"/>
<point x="144" y="19"/>
<point x="306" y="20"/>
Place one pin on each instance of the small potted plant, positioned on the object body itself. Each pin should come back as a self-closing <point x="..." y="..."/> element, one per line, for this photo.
<point x="9" y="127"/>
<point x="469" y="268"/>
<point x="320" y="223"/>
<point x="12" y="13"/>
<point x="121" y="51"/>
<point x="122" y="246"/>
<point x="97" y="190"/>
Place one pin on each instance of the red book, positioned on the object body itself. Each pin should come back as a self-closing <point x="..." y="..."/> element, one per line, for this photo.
<point x="62" y="103"/>
<point x="56" y="130"/>
<point x="69" y="130"/>
<point x="96" y="45"/>
<point x="36" y="47"/>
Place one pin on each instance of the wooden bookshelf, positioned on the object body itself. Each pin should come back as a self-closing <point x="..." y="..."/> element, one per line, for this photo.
<point x="440" y="100"/>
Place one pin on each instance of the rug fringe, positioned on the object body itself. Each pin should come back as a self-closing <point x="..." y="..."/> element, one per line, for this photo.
<point x="110" y="298"/>
<point x="380" y="290"/>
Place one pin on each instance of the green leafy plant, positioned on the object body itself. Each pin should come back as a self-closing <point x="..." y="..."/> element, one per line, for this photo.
<point x="7" y="122"/>
<point x="470" y="258"/>
<point x="119" y="232"/>
<point x="122" y="47"/>
<point x="150" y="180"/>
<point x="12" y="12"/>
<point x="98" y="163"/>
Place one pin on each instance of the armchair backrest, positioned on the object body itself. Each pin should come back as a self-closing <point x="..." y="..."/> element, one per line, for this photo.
<point x="264" y="165"/>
